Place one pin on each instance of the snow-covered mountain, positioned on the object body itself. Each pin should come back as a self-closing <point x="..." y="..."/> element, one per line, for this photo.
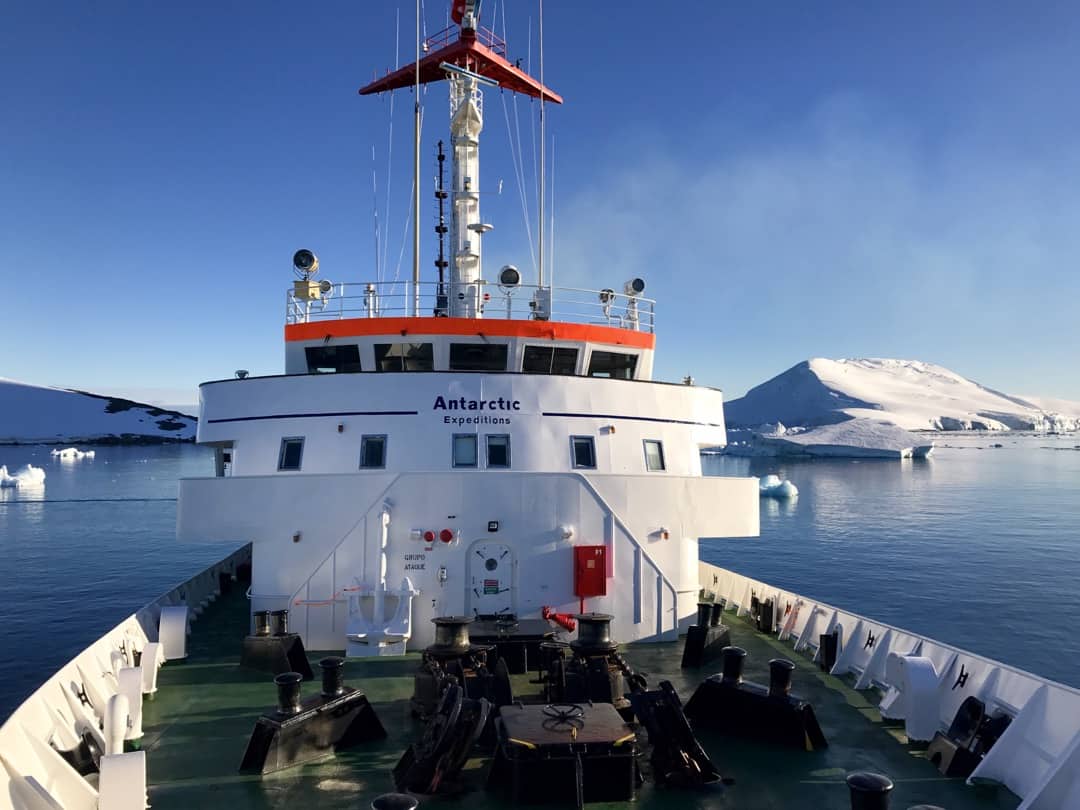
<point x="908" y="393"/>
<point x="34" y="413"/>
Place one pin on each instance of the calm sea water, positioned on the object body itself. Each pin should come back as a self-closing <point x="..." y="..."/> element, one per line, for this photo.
<point x="977" y="547"/>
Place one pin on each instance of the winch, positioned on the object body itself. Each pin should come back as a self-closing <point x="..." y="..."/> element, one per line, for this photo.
<point x="590" y="668"/>
<point x="453" y="655"/>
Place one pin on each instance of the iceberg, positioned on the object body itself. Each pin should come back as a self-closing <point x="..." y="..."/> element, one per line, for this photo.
<point x="28" y="477"/>
<point x="72" y="454"/>
<point x="772" y="487"/>
<point x="852" y="438"/>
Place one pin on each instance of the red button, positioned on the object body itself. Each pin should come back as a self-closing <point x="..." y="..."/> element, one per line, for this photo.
<point x="446" y="536"/>
<point x="429" y="536"/>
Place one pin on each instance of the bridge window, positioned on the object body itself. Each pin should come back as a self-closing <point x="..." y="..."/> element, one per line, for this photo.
<point x="404" y="357"/>
<point x="583" y="452"/>
<point x="292" y="451"/>
<point x="654" y="455"/>
<point x="478" y="356"/>
<point x="465" y="453"/>
<point x="372" y="452"/>
<point x="613" y="364"/>
<point x="498" y="451"/>
<point x="549" y="360"/>
<point x="331" y="359"/>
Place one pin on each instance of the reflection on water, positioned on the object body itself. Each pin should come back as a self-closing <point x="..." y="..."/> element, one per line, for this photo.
<point x="965" y="547"/>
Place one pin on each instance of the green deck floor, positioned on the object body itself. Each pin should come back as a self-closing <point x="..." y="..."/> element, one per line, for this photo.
<point x="197" y="728"/>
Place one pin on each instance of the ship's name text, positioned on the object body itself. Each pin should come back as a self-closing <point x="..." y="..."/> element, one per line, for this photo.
<point x="462" y="404"/>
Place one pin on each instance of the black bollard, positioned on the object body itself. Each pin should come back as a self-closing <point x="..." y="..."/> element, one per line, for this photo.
<point x="395" y="801"/>
<point x="717" y="614"/>
<point x="869" y="791"/>
<point x="732" y="667"/>
<point x="780" y="670"/>
<point x="704" y="614"/>
<point x="262" y="622"/>
<point x="279" y="622"/>
<point x="288" y="692"/>
<point x="333" y="672"/>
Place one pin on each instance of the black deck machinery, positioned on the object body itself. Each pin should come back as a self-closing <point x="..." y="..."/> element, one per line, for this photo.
<point x="454" y="655"/>
<point x="297" y="730"/>
<point x="514" y="640"/>
<point x="272" y="648"/>
<point x="433" y="763"/>
<point x="706" y="638"/>
<point x="565" y="753"/>
<point x="727" y="703"/>
<point x="589" y="669"/>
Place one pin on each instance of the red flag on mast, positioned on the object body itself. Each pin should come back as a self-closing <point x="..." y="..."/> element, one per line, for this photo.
<point x="457" y="11"/>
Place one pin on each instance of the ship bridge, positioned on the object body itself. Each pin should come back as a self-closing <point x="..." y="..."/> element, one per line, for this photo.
<point x="512" y="327"/>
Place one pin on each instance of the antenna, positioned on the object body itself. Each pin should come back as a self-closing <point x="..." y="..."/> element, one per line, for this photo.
<point x="441" y="302"/>
<point x="416" y="174"/>
<point x="540" y="256"/>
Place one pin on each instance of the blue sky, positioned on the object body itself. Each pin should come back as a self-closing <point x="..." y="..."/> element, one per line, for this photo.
<point x="791" y="179"/>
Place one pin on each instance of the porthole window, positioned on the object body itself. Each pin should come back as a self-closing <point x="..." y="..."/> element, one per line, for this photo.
<point x="583" y="452"/>
<point x="292" y="453"/>
<point x="372" y="452"/>
<point x="498" y="451"/>
<point x="654" y="455"/>
<point x="465" y="451"/>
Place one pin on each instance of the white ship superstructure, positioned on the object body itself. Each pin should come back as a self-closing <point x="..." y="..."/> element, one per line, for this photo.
<point x="461" y="446"/>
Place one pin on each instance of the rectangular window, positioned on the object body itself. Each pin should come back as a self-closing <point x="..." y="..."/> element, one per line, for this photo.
<point x="478" y="356"/>
<point x="372" y="452"/>
<point x="583" y="452"/>
<point x="498" y="451"/>
<point x="465" y="454"/>
<point x="612" y="364"/>
<point x="332" y="359"/>
<point x="292" y="451"/>
<point x="654" y="454"/>
<point x="404" y="357"/>
<point x="549" y="360"/>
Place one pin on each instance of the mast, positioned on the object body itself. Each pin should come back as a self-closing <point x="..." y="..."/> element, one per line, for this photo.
<point x="476" y="57"/>
<point x="416" y="175"/>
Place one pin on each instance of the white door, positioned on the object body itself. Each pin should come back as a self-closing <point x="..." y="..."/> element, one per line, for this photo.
<point x="491" y="575"/>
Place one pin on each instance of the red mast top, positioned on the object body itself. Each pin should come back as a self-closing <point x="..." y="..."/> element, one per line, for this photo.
<point x="475" y="49"/>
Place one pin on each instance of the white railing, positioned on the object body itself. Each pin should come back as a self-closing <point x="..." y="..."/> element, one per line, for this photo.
<point x="388" y="299"/>
<point x="1038" y="755"/>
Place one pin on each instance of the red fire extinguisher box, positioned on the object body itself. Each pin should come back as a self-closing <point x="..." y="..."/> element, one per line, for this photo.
<point x="590" y="571"/>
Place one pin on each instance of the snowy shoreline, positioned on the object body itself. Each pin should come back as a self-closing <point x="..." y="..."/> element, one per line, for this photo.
<point x="879" y="408"/>
<point x="35" y="414"/>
